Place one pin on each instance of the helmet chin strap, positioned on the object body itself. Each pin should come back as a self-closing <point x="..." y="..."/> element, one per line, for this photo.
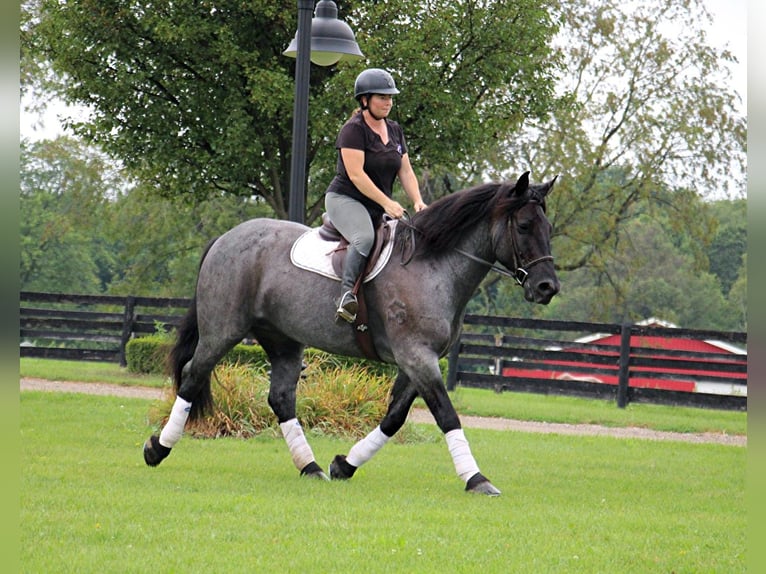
<point x="378" y="118"/>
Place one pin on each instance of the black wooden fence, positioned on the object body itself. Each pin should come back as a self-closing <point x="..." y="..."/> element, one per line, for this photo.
<point x="90" y="327"/>
<point x="539" y="349"/>
<point x="98" y="327"/>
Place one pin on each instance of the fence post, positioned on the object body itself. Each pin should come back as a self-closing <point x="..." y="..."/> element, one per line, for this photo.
<point x="127" y="327"/>
<point x="452" y="358"/>
<point x="623" y="377"/>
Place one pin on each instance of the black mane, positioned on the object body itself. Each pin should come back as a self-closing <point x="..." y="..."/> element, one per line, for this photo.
<point x="441" y="226"/>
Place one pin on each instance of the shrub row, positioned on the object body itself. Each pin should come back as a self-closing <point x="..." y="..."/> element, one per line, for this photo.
<point x="149" y="355"/>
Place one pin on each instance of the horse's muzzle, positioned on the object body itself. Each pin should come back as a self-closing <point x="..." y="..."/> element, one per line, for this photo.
<point x="541" y="290"/>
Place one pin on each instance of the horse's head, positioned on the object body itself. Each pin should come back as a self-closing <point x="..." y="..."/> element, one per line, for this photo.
<point x="522" y="239"/>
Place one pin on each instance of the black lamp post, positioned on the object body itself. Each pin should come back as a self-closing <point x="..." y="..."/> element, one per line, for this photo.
<point x="324" y="41"/>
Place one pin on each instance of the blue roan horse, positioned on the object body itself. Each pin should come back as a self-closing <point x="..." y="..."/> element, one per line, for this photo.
<point x="247" y="287"/>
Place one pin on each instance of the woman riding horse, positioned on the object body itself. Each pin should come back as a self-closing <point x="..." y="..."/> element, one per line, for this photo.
<point x="247" y="287"/>
<point x="371" y="153"/>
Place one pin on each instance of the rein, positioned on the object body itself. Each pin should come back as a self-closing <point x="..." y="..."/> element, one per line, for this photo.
<point x="519" y="275"/>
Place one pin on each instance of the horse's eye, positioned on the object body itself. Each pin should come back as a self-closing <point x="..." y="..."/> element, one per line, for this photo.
<point x="524" y="227"/>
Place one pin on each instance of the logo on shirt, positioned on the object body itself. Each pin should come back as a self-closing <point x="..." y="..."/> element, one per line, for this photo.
<point x="399" y="148"/>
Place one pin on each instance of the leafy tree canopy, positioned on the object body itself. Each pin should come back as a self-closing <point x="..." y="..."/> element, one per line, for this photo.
<point x="197" y="97"/>
<point x="649" y="273"/>
<point x="84" y="230"/>
<point x="62" y="206"/>
<point x="729" y="244"/>
<point x="651" y="120"/>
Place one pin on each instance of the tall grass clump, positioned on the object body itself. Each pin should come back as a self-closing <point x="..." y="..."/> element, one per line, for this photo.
<point x="334" y="398"/>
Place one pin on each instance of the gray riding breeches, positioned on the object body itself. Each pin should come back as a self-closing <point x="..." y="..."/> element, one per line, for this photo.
<point x="351" y="218"/>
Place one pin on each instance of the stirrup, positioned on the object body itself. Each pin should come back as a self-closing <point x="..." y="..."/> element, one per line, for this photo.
<point x="347" y="307"/>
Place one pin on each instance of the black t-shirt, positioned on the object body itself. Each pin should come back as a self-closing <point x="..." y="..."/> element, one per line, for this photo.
<point x="381" y="162"/>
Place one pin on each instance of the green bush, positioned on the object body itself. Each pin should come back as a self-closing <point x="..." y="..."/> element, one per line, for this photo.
<point x="246" y="354"/>
<point x="148" y="355"/>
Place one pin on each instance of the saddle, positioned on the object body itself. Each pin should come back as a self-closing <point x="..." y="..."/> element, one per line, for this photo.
<point x="329" y="232"/>
<point x="334" y="246"/>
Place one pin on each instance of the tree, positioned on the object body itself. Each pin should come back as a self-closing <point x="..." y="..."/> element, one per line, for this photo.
<point x="160" y="240"/>
<point x="648" y="276"/>
<point x="729" y="244"/>
<point x="85" y="229"/>
<point x="64" y="190"/>
<point x="738" y="296"/>
<point x="196" y="97"/>
<point x="651" y="128"/>
<point x="650" y="109"/>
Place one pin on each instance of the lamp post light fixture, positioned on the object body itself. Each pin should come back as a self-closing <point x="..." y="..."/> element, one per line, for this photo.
<point x="325" y="40"/>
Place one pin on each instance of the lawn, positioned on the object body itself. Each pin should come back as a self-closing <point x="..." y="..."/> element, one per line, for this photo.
<point x="569" y="504"/>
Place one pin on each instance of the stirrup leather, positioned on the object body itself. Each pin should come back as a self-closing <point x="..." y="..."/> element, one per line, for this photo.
<point x="347" y="307"/>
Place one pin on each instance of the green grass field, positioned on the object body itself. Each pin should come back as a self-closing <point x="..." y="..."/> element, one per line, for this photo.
<point x="570" y="504"/>
<point x="521" y="406"/>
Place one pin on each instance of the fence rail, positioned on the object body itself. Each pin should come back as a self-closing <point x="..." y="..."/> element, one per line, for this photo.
<point x="523" y="355"/>
<point x="90" y="327"/>
<point x="550" y="357"/>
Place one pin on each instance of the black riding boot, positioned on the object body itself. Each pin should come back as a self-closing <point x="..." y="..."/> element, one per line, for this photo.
<point x="352" y="269"/>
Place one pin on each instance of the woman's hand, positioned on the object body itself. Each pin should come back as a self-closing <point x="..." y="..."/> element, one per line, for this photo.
<point x="419" y="205"/>
<point x="394" y="209"/>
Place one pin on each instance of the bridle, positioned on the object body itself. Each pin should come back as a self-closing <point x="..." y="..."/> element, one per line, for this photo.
<point x="521" y="272"/>
<point x="519" y="275"/>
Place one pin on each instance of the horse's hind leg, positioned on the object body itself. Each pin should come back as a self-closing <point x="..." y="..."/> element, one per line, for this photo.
<point x="402" y="396"/>
<point x="286" y="363"/>
<point x="194" y="385"/>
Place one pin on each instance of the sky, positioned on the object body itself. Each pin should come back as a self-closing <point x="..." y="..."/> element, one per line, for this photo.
<point x="729" y="29"/>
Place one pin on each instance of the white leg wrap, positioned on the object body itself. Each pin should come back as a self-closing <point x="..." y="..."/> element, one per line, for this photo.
<point x="174" y="428"/>
<point x="296" y="442"/>
<point x="465" y="465"/>
<point x="364" y="450"/>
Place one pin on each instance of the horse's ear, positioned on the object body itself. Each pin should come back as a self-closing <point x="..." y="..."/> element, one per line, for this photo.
<point x="522" y="184"/>
<point x="546" y="187"/>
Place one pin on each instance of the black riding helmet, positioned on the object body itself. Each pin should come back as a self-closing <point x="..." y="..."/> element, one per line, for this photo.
<point x="374" y="81"/>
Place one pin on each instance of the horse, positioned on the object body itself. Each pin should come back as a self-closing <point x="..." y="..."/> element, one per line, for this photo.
<point x="248" y="288"/>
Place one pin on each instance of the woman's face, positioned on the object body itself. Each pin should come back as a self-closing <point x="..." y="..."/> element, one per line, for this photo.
<point x="380" y="104"/>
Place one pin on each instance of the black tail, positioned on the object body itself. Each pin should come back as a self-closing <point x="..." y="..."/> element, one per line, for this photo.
<point x="187" y="337"/>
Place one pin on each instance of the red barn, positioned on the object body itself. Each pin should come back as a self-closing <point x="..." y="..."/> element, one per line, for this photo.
<point x="696" y="382"/>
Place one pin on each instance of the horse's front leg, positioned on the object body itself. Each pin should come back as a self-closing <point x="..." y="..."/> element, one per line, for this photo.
<point x="437" y="399"/>
<point x="285" y="371"/>
<point x="402" y="396"/>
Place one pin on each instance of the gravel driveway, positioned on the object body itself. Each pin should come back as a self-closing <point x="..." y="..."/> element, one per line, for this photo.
<point x="423" y="416"/>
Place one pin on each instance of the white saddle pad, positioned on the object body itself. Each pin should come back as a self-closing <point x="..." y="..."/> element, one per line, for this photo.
<point x="312" y="253"/>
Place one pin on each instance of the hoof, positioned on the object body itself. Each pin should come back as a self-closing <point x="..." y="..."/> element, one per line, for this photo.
<point x="313" y="470"/>
<point x="340" y="469"/>
<point x="480" y="484"/>
<point x="154" y="452"/>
